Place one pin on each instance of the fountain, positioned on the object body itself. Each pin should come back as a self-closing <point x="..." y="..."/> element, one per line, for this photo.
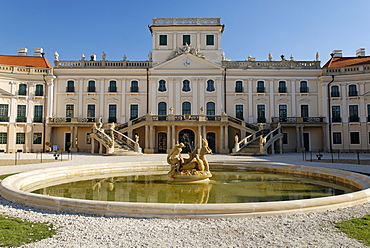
<point x="194" y="168"/>
<point x="199" y="201"/>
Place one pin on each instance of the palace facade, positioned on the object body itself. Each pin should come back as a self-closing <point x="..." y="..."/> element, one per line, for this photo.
<point x="186" y="91"/>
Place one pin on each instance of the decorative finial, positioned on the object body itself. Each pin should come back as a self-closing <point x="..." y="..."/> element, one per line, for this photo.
<point x="317" y="56"/>
<point x="270" y="57"/>
<point x="291" y="57"/>
<point x="124" y="57"/>
<point x="83" y="57"/>
<point x="103" y="56"/>
<point x="56" y="56"/>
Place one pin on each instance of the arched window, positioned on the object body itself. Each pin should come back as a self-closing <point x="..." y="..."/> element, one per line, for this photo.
<point x="22" y="89"/>
<point x="303" y="87"/>
<point x="39" y="90"/>
<point x="260" y="87"/>
<point x="210" y="85"/>
<point x="70" y="86"/>
<point x="162" y="110"/>
<point x="210" y="108"/>
<point x="352" y="90"/>
<point x="186" y="108"/>
<point x="134" y="86"/>
<point x="282" y="87"/>
<point x="112" y="86"/>
<point x="238" y="86"/>
<point x="335" y="91"/>
<point x="162" y="85"/>
<point x="91" y="86"/>
<point x="186" y="85"/>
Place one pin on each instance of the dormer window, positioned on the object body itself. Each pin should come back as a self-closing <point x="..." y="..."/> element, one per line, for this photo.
<point x="186" y="39"/>
<point x="163" y="40"/>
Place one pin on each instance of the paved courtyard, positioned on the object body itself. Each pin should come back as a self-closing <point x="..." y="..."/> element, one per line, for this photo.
<point x="79" y="230"/>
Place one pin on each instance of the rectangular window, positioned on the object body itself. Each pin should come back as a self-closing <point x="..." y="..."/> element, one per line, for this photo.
<point x="335" y="113"/>
<point x="285" y="138"/>
<point x="355" y="137"/>
<point x="21" y="113"/>
<point x="39" y="90"/>
<point x="3" y="138"/>
<point x="337" y="138"/>
<point x="163" y="40"/>
<point x="210" y="39"/>
<point x="304" y="111"/>
<point x="112" y="113"/>
<point x="91" y="110"/>
<point x="335" y="91"/>
<point x="283" y="111"/>
<point x="20" y="138"/>
<point x="134" y="111"/>
<point x="353" y="113"/>
<point x="186" y="39"/>
<point x="239" y="113"/>
<point x="37" y="138"/>
<point x="4" y="110"/>
<point x="70" y="110"/>
<point x="37" y="117"/>
<point x="261" y="117"/>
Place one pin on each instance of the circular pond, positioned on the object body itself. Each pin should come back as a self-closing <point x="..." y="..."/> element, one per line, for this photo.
<point x="318" y="192"/>
<point x="226" y="186"/>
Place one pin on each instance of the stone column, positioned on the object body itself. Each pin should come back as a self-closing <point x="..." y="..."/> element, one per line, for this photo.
<point x="250" y="102"/>
<point x="298" y="138"/>
<point x="272" y="102"/>
<point x="199" y="136"/>
<point x="146" y="138"/>
<point x="294" y="95"/>
<point x="222" y="138"/>
<point x="169" y="138"/>
<point x="173" y="135"/>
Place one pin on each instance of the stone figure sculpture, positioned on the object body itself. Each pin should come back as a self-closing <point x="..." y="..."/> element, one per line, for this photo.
<point x="194" y="168"/>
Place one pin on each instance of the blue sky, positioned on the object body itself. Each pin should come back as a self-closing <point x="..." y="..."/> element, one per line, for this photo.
<point x="119" y="27"/>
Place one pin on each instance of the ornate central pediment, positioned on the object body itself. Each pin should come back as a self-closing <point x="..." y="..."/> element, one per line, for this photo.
<point x="185" y="50"/>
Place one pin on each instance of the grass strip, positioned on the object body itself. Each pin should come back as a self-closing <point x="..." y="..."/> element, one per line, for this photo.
<point x="357" y="228"/>
<point x="17" y="232"/>
<point x="6" y="175"/>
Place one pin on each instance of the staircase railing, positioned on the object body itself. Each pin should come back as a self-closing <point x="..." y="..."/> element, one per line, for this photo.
<point x="123" y="140"/>
<point x="270" y="138"/>
<point x="103" y="138"/>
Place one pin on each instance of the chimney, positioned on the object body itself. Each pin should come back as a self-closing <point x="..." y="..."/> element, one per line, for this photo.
<point x="37" y="52"/>
<point x="22" y="51"/>
<point x="337" y="53"/>
<point x="360" y="52"/>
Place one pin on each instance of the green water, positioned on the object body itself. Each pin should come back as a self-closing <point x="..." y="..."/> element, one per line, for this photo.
<point x="224" y="187"/>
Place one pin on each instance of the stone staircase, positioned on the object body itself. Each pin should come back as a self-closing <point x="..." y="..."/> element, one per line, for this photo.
<point x="258" y="143"/>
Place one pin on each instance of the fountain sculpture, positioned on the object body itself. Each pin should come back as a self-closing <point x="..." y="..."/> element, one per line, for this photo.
<point x="194" y="168"/>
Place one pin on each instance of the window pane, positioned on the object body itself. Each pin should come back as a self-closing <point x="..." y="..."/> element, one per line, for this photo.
<point x="162" y="86"/>
<point x="239" y="113"/>
<point x="37" y="138"/>
<point x="211" y="108"/>
<point x="3" y="138"/>
<point x="282" y="87"/>
<point x="69" y="110"/>
<point x="37" y="113"/>
<point x="163" y="40"/>
<point x="186" y="85"/>
<point x="112" y="86"/>
<point x="304" y="111"/>
<point x="186" y="108"/>
<point x="210" y="39"/>
<point x="335" y="91"/>
<point x="260" y="86"/>
<point x="185" y="39"/>
<point x="261" y="118"/>
<point x="355" y="137"/>
<point x="353" y="113"/>
<point x="39" y="90"/>
<point x="238" y="86"/>
<point x="337" y="138"/>
<point x="303" y="87"/>
<point x="162" y="108"/>
<point x="134" y="86"/>
<point x="112" y="113"/>
<point x="20" y="138"/>
<point x="134" y="111"/>
<point x="91" y="110"/>
<point x="210" y="85"/>
<point x="22" y="90"/>
<point x="4" y="108"/>
<point x="91" y="86"/>
<point x="70" y="86"/>
<point x="283" y="111"/>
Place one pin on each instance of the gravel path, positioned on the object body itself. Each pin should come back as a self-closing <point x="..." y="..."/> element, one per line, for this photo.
<point x="75" y="230"/>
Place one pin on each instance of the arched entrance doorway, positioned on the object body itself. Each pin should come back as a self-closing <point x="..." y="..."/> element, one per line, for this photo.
<point x="186" y="136"/>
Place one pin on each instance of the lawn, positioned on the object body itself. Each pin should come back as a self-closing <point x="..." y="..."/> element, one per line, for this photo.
<point x="357" y="228"/>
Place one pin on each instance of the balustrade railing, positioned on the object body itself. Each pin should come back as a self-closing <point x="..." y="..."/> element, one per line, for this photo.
<point x="186" y="21"/>
<point x="288" y="64"/>
<point x="298" y="119"/>
<point x="25" y="70"/>
<point x="102" y="64"/>
<point x="358" y="69"/>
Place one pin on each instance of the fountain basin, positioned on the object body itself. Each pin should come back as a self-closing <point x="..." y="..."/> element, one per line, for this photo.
<point x="16" y="188"/>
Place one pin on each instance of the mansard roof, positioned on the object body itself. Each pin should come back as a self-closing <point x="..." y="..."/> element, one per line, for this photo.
<point x="27" y="61"/>
<point x="347" y="61"/>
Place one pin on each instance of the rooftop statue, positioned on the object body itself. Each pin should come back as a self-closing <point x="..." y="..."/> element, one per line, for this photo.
<point x="194" y="168"/>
